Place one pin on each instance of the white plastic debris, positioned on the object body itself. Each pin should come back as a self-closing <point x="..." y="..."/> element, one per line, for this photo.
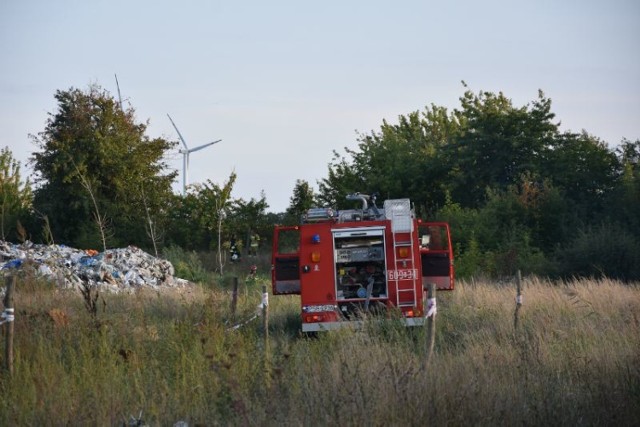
<point x="114" y="269"/>
<point x="432" y="308"/>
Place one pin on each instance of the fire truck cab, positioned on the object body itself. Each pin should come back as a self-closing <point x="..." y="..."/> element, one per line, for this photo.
<point x="345" y="263"/>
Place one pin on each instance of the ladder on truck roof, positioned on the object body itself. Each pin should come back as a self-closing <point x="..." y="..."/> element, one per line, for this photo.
<point x="403" y="273"/>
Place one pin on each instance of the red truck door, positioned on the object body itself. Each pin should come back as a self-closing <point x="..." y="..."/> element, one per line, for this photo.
<point x="436" y="255"/>
<point x="285" y="261"/>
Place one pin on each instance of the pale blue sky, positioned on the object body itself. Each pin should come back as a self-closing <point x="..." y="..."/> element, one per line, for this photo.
<point x="283" y="83"/>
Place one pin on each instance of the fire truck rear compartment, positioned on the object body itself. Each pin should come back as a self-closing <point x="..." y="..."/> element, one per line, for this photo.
<point x="361" y="280"/>
<point x="360" y="268"/>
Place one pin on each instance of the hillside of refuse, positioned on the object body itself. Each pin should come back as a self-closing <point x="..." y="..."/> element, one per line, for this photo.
<point x="115" y="270"/>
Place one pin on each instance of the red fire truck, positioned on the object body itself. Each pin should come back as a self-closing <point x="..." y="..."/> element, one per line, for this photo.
<point x="349" y="262"/>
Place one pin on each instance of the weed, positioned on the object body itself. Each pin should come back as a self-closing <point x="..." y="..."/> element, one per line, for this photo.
<point x="170" y="356"/>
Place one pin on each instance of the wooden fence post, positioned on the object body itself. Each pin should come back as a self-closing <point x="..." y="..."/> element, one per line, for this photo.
<point x="8" y="317"/>
<point x="431" y="321"/>
<point x="265" y="316"/>
<point x="265" y="328"/>
<point x="518" y="300"/>
<point x="234" y="298"/>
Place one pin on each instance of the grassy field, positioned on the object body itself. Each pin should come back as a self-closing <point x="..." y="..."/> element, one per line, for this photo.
<point x="170" y="356"/>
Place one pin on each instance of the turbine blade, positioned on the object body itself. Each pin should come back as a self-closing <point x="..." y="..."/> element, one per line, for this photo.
<point x="203" y="146"/>
<point x="179" y="134"/>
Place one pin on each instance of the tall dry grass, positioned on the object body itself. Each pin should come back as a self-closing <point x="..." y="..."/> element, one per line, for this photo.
<point x="573" y="360"/>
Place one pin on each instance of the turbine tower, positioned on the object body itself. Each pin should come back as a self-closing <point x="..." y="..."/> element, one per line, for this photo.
<point x="185" y="156"/>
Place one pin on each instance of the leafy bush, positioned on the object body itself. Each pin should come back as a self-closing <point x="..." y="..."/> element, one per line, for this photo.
<point x="187" y="264"/>
<point x="608" y="250"/>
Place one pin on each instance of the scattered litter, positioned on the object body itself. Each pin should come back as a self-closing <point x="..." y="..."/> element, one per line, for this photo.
<point x="112" y="270"/>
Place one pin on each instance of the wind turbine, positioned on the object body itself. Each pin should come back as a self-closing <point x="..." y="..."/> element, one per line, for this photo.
<point x="185" y="156"/>
<point x="119" y="96"/>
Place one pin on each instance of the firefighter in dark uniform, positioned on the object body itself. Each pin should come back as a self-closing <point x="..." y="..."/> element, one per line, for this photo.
<point x="233" y="250"/>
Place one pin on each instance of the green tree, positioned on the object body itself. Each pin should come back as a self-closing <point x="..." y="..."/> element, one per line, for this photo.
<point x="90" y="142"/>
<point x="217" y="200"/>
<point x="584" y="168"/>
<point x="185" y="227"/>
<point x="625" y="201"/>
<point x="199" y="220"/>
<point x="342" y="179"/>
<point x="400" y="160"/>
<point x="498" y="142"/>
<point x="247" y="217"/>
<point x="15" y="196"/>
<point x="514" y="188"/>
<point x="302" y="199"/>
<point x="193" y="218"/>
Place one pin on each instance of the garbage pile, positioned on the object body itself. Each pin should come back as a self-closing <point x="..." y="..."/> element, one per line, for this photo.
<point x="113" y="270"/>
